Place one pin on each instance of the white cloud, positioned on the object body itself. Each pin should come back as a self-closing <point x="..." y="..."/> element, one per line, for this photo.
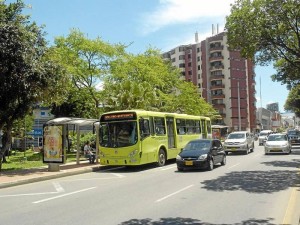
<point x="171" y="12"/>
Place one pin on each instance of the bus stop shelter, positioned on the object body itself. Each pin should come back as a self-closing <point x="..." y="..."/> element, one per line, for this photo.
<point x="56" y="139"/>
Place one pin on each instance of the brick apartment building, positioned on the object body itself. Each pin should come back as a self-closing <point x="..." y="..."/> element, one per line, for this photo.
<point x="223" y="78"/>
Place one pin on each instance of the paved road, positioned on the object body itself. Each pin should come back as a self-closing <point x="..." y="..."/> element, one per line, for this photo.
<point x="249" y="189"/>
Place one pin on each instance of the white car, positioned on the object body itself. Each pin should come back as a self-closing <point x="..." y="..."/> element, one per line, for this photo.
<point x="278" y="143"/>
<point x="263" y="135"/>
<point x="239" y="141"/>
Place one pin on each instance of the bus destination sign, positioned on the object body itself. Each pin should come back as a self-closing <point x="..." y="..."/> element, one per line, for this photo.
<point x="119" y="116"/>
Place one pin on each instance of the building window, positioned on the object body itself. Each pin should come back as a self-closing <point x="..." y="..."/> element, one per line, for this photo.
<point x="173" y="60"/>
<point x="181" y="65"/>
<point x="198" y="58"/>
<point x="199" y="67"/>
<point x="181" y="57"/>
<point x="181" y="49"/>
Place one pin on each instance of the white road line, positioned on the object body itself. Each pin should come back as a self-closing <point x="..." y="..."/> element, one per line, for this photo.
<point x="29" y="194"/>
<point x="167" y="168"/>
<point x="183" y="189"/>
<point x="234" y="166"/>
<point x="118" y="175"/>
<point x="60" y="196"/>
<point x="58" y="187"/>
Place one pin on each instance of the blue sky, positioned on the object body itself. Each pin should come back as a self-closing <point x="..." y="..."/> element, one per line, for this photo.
<point x="163" y="24"/>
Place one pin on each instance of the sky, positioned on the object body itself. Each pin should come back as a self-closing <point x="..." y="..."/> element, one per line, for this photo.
<point x="161" y="24"/>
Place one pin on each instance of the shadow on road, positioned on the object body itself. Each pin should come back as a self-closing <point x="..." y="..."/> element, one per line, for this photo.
<point x="254" y="181"/>
<point x="295" y="163"/>
<point x="190" y="221"/>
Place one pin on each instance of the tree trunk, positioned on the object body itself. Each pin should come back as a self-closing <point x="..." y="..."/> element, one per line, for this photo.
<point x="6" y="143"/>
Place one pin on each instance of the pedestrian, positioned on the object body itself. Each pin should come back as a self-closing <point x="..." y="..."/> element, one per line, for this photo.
<point x="88" y="152"/>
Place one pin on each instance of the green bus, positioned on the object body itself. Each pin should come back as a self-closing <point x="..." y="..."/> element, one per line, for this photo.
<point x="136" y="137"/>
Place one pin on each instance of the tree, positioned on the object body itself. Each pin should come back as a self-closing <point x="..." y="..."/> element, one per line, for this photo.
<point x="268" y="31"/>
<point x="146" y="81"/>
<point x="26" y="73"/>
<point x="86" y="62"/>
<point x="293" y="101"/>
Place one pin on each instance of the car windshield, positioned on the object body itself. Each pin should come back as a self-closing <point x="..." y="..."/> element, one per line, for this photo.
<point x="277" y="138"/>
<point x="236" y="136"/>
<point x="292" y="132"/>
<point x="263" y="134"/>
<point x="198" y="145"/>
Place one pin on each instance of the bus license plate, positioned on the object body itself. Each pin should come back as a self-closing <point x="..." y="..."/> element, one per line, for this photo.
<point x="188" y="163"/>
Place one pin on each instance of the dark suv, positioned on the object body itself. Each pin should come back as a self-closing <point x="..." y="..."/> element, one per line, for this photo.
<point x="294" y="137"/>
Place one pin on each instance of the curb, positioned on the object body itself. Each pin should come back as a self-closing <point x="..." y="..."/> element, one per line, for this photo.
<point x="48" y="177"/>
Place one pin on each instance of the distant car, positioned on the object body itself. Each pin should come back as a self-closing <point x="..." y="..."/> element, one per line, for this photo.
<point x="239" y="141"/>
<point x="263" y="135"/>
<point x="294" y="137"/>
<point x="277" y="143"/>
<point x="201" y="154"/>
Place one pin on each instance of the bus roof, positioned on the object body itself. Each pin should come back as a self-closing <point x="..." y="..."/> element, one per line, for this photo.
<point x="155" y="113"/>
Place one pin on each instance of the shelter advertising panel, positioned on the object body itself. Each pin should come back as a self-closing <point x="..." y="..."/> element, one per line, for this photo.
<point x="53" y="144"/>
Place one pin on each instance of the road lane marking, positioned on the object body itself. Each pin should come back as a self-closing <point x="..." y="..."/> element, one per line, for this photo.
<point x="58" y="187"/>
<point x="183" y="189"/>
<point x="234" y="166"/>
<point x="64" y="195"/>
<point x="118" y="175"/>
<point x="290" y="210"/>
<point x="29" y="194"/>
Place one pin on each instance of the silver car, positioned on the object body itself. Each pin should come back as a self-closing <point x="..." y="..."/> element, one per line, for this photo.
<point x="277" y="143"/>
<point x="239" y="141"/>
<point x="263" y="135"/>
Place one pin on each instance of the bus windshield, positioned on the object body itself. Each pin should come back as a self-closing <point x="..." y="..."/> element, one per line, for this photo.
<point x="118" y="134"/>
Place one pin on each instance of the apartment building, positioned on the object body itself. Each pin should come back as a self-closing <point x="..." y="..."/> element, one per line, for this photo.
<point x="222" y="77"/>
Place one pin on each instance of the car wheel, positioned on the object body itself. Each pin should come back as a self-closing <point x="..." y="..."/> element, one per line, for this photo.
<point x="210" y="165"/>
<point x="179" y="169"/>
<point x="161" y="158"/>
<point x="266" y="153"/>
<point x="252" y="148"/>
<point x="223" y="163"/>
<point x="226" y="153"/>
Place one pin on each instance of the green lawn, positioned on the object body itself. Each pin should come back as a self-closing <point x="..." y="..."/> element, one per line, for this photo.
<point x="19" y="160"/>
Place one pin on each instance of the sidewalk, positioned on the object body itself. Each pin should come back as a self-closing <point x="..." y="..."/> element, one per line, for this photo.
<point x="19" y="177"/>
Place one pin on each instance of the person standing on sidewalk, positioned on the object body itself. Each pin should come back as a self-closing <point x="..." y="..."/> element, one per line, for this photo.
<point x="88" y="152"/>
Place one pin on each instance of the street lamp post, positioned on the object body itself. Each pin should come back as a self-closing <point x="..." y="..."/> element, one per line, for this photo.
<point x="239" y="104"/>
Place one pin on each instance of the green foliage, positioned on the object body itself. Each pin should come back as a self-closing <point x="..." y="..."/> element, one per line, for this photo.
<point x="293" y="101"/>
<point x="86" y="62"/>
<point x="146" y="81"/>
<point x="269" y="31"/>
<point x="26" y="73"/>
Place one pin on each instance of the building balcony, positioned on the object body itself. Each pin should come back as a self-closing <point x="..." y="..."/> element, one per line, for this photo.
<point x="218" y="67"/>
<point x="217" y="77"/>
<point x="217" y="86"/>
<point x="219" y="105"/>
<point x="220" y="96"/>
<point x="216" y="58"/>
<point x="216" y="48"/>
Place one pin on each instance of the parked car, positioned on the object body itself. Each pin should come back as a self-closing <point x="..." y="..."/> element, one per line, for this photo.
<point x="201" y="154"/>
<point x="263" y="135"/>
<point x="294" y="137"/>
<point x="278" y="143"/>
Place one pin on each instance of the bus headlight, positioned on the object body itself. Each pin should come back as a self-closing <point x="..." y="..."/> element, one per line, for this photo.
<point x="178" y="157"/>
<point x="133" y="153"/>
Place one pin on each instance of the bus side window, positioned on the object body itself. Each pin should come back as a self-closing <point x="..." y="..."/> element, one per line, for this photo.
<point x="144" y="128"/>
<point x="160" y="128"/>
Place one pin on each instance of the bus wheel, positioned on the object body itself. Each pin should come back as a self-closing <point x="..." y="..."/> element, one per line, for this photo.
<point x="161" y="158"/>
